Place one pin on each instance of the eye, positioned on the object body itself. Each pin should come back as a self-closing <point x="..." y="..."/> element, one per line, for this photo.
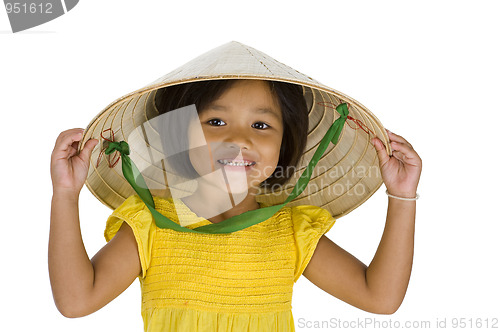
<point x="216" y="122"/>
<point x="260" y="125"/>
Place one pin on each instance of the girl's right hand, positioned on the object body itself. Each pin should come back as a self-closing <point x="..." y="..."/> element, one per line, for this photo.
<point x="67" y="168"/>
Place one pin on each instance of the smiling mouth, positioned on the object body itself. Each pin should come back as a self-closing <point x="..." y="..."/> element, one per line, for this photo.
<point x="227" y="162"/>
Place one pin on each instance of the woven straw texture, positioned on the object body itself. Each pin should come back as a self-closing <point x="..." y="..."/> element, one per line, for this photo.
<point x="345" y="177"/>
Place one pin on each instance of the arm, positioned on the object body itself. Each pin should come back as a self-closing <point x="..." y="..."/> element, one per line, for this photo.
<point x="380" y="287"/>
<point x="389" y="272"/>
<point x="81" y="286"/>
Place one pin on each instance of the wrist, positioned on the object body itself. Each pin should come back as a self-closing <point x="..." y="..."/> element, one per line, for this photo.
<point x="409" y="197"/>
<point x="403" y="193"/>
<point x="64" y="194"/>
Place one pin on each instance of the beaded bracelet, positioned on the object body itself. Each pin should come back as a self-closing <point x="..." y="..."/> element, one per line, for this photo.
<point x="403" y="198"/>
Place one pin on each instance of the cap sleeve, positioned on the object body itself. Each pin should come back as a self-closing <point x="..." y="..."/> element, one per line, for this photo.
<point x="136" y="214"/>
<point x="309" y="224"/>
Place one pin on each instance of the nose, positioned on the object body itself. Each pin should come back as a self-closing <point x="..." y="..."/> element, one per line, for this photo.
<point x="238" y="137"/>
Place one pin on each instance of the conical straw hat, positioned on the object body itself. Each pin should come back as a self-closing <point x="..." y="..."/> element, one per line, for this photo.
<point x="346" y="175"/>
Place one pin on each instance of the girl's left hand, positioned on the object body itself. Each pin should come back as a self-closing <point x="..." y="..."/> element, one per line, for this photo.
<point x="401" y="171"/>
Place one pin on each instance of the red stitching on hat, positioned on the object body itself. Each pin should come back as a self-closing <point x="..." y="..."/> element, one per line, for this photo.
<point x="111" y="161"/>
<point x="358" y="122"/>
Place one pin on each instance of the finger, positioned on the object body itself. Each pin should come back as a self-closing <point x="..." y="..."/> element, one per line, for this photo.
<point x="69" y="136"/>
<point x="74" y="146"/>
<point x="397" y="138"/>
<point x="88" y="148"/>
<point x="399" y="156"/>
<point x="64" y="143"/>
<point x="381" y="150"/>
<point x="406" y="151"/>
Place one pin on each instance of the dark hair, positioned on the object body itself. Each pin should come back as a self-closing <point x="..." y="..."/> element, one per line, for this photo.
<point x="293" y="109"/>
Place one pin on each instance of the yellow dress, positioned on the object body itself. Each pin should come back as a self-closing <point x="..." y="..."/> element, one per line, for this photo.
<point x="242" y="281"/>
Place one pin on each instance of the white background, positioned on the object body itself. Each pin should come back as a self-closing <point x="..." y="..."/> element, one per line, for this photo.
<point x="429" y="70"/>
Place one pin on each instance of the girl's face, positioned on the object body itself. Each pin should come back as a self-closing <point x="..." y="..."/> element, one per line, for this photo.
<point x="243" y="131"/>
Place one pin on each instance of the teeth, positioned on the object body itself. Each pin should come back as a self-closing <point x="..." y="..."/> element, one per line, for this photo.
<point x="235" y="163"/>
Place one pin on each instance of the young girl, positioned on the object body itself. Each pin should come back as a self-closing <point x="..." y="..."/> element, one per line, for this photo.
<point x="235" y="281"/>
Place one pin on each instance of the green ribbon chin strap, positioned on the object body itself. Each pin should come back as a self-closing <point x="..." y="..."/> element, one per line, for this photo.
<point x="235" y="223"/>
<point x="339" y="123"/>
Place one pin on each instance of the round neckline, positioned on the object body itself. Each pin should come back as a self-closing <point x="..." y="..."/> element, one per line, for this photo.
<point x="181" y="209"/>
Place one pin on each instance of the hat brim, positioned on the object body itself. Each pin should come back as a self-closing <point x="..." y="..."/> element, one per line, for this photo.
<point x="344" y="178"/>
